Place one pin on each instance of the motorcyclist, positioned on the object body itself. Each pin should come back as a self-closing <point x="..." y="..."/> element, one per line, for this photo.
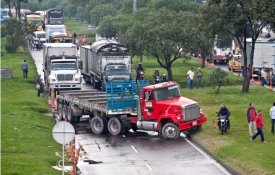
<point x="164" y="78"/>
<point x="138" y="70"/>
<point x="224" y="111"/>
<point x="156" y="76"/>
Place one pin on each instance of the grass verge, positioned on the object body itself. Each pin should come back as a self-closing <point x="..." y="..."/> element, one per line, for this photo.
<point x="27" y="145"/>
<point x="234" y="148"/>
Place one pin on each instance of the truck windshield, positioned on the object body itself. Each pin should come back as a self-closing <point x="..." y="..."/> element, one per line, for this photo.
<point x="116" y="67"/>
<point x="41" y="36"/>
<point x="167" y="93"/>
<point x="56" y="21"/>
<point x="69" y="65"/>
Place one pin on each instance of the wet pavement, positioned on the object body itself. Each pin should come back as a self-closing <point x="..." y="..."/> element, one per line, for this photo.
<point x="142" y="153"/>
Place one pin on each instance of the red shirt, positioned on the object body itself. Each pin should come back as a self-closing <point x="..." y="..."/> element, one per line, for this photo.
<point x="259" y="121"/>
<point x="252" y="114"/>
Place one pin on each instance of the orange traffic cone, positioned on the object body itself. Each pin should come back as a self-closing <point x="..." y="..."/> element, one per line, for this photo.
<point x="214" y="124"/>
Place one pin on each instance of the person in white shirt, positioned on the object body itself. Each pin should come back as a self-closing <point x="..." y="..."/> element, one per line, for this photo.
<point x="262" y="76"/>
<point x="190" y="78"/>
<point x="272" y="116"/>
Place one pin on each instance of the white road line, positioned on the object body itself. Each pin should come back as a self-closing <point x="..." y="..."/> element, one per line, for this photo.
<point x="148" y="166"/>
<point x="208" y="157"/>
<point x="134" y="148"/>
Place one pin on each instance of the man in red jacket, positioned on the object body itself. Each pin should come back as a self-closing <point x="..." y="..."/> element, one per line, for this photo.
<point x="259" y="125"/>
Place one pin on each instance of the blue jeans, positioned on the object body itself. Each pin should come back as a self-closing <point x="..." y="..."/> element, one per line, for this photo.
<point x="189" y="84"/>
<point x="263" y="81"/>
<point x="259" y="132"/>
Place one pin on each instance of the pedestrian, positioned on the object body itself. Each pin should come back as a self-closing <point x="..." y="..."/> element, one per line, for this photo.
<point x="24" y="67"/>
<point x="272" y="116"/>
<point x="199" y="76"/>
<point x="259" y="123"/>
<point x="263" y="76"/>
<point x="251" y="116"/>
<point x="190" y="78"/>
<point x="39" y="85"/>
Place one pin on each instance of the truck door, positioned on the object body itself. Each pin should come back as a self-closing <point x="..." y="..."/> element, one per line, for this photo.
<point x="148" y="105"/>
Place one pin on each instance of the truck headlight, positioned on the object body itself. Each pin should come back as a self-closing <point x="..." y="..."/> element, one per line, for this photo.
<point x="77" y="79"/>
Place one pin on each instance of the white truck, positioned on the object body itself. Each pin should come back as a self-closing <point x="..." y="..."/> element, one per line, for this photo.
<point x="264" y="56"/>
<point x="61" y="66"/>
<point x="55" y="29"/>
<point x="105" y="60"/>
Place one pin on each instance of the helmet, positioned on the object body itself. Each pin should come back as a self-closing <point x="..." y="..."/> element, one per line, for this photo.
<point x="223" y="106"/>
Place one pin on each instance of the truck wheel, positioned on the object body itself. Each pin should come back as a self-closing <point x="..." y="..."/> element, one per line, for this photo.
<point x="170" y="131"/>
<point x="65" y="112"/>
<point x="60" y="111"/>
<point x="71" y="117"/>
<point x="98" y="125"/>
<point x="115" y="126"/>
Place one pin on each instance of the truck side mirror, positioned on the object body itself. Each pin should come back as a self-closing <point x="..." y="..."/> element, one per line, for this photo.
<point x="80" y="64"/>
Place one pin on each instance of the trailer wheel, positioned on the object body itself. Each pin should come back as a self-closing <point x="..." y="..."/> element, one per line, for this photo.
<point x="60" y="111"/>
<point x="170" y="131"/>
<point x="115" y="126"/>
<point x="71" y="117"/>
<point x="98" y="125"/>
<point x="65" y="112"/>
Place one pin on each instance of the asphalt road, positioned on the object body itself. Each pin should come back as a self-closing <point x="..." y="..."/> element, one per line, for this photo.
<point x="141" y="154"/>
<point x="137" y="153"/>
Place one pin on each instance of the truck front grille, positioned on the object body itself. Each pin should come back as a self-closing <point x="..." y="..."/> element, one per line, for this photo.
<point x="64" y="77"/>
<point x="191" y="112"/>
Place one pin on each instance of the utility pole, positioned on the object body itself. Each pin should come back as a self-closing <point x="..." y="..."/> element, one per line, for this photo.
<point x="134" y="5"/>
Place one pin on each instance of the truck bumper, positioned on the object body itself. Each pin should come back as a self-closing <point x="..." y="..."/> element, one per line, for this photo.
<point x="190" y="124"/>
<point x="66" y="86"/>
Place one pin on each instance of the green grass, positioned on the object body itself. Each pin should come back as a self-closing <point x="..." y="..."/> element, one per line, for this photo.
<point x="27" y="145"/>
<point x="235" y="148"/>
<point x="78" y="27"/>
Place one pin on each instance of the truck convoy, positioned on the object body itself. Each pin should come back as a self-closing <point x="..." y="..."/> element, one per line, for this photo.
<point x="61" y="66"/>
<point x="159" y="108"/>
<point x="104" y="61"/>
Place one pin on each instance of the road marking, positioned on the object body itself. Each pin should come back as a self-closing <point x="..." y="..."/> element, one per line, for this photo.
<point x="217" y="164"/>
<point x="148" y="166"/>
<point x="134" y="148"/>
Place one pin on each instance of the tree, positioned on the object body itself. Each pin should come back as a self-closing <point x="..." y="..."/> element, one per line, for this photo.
<point x="100" y="11"/>
<point x="14" y="31"/>
<point x="242" y="20"/>
<point x="217" y="78"/>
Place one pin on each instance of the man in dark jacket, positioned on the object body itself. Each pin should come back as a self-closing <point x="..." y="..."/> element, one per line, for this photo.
<point x="139" y="69"/>
<point x="24" y="68"/>
<point x="224" y="112"/>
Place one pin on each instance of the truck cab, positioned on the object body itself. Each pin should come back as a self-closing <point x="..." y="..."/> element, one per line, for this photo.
<point x="163" y="109"/>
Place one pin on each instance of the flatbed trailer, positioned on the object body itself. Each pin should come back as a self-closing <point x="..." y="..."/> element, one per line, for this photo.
<point x="124" y="106"/>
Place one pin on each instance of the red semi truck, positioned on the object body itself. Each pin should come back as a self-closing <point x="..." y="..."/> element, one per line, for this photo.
<point x="158" y="107"/>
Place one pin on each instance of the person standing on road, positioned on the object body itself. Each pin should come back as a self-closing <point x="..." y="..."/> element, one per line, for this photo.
<point x="259" y="123"/>
<point x="40" y="85"/>
<point x="199" y="76"/>
<point x="272" y="116"/>
<point x="24" y="68"/>
<point x="251" y="116"/>
<point x="190" y="78"/>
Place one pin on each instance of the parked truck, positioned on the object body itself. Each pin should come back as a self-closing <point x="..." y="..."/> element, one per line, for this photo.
<point x="126" y="105"/>
<point x="54" y="16"/>
<point x="55" y="30"/>
<point x="61" y="66"/>
<point x="264" y="56"/>
<point x="105" y="60"/>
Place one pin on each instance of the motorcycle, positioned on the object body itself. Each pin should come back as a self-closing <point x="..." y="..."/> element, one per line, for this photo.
<point x="141" y="75"/>
<point x="223" y="124"/>
<point x="157" y="79"/>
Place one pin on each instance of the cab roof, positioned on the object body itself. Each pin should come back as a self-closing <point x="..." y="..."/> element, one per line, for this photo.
<point x="160" y="85"/>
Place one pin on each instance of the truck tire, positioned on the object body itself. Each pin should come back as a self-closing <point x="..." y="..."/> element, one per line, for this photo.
<point x="60" y="111"/>
<point x="71" y="117"/>
<point x="98" y="125"/>
<point x="64" y="112"/>
<point x="170" y="131"/>
<point x="115" y="126"/>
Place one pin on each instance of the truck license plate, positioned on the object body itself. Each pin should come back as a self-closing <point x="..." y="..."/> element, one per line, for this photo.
<point x="194" y="123"/>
